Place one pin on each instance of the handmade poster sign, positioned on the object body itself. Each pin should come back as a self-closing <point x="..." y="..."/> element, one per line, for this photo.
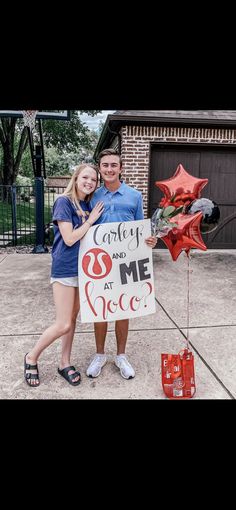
<point x="116" y="272"/>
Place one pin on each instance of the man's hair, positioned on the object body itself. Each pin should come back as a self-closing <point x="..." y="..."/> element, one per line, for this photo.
<point x="109" y="152"/>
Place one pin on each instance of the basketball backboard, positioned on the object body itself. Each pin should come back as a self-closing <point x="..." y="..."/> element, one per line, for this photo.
<point x="49" y="114"/>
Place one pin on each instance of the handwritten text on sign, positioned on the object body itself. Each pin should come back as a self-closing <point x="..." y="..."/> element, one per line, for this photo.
<point x="116" y="272"/>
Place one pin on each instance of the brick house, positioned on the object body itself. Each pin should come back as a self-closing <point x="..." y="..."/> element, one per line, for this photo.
<point x="152" y="144"/>
<point x="60" y="181"/>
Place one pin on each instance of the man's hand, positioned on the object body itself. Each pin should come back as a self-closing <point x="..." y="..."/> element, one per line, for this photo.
<point x="151" y="241"/>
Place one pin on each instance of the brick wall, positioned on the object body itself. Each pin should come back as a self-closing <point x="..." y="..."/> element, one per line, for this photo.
<point x="135" y="148"/>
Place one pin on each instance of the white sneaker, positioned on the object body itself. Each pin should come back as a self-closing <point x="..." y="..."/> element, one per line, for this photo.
<point x="95" y="367"/>
<point x="125" y="367"/>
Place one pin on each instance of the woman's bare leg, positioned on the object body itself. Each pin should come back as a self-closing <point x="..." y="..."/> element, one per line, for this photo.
<point x="67" y="339"/>
<point x="64" y="298"/>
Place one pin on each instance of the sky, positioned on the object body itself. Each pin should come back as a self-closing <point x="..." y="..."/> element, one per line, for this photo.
<point x="93" y="122"/>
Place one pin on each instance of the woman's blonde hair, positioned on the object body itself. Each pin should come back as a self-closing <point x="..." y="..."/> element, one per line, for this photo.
<point x="71" y="189"/>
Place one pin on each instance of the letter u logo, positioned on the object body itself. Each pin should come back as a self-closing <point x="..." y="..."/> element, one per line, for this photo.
<point x="96" y="263"/>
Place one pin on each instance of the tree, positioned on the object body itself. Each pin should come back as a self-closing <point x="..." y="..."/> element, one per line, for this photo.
<point x="64" y="136"/>
<point x="100" y="127"/>
<point x="69" y="135"/>
<point x="64" y="163"/>
<point x="11" y="158"/>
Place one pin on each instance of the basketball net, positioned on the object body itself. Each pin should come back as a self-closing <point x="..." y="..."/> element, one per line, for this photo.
<point x="29" y="118"/>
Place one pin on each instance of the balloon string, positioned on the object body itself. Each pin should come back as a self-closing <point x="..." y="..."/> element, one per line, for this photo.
<point x="188" y="297"/>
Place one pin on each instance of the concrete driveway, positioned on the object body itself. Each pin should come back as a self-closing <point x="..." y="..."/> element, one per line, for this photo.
<point x="27" y="309"/>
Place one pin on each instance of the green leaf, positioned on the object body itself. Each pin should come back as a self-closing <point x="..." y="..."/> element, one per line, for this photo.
<point x="178" y="210"/>
<point x="168" y="211"/>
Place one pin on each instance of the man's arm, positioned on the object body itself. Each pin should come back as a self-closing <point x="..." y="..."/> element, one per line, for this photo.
<point x="139" y="215"/>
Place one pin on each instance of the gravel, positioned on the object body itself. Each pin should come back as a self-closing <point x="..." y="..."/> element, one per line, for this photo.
<point x="20" y="249"/>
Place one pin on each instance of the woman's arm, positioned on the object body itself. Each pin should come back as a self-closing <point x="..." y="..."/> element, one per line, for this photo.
<point x="71" y="236"/>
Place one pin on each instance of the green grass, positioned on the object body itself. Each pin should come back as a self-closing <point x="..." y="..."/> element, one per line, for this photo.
<point x="25" y="216"/>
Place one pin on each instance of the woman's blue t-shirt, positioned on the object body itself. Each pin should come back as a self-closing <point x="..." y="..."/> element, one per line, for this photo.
<point x="65" y="258"/>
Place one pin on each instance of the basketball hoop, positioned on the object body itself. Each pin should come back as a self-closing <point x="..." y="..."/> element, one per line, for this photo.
<point x="29" y="118"/>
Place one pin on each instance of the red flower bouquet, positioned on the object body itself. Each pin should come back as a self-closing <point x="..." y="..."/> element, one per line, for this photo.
<point x="160" y="220"/>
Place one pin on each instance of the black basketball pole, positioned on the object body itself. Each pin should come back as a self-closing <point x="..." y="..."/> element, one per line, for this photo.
<point x="38" y="165"/>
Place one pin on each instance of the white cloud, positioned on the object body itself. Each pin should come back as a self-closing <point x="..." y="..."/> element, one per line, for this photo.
<point x="93" y="122"/>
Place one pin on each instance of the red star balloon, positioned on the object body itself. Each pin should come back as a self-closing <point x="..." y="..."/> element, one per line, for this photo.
<point x="186" y="235"/>
<point x="181" y="183"/>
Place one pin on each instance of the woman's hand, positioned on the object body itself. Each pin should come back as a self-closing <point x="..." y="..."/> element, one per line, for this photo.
<point x="96" y="213"/>
<point x="151" y="241"/>
<point x="71" y="235"/>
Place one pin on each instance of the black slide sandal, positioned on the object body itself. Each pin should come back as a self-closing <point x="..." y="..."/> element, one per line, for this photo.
<point x="64" y="373"/>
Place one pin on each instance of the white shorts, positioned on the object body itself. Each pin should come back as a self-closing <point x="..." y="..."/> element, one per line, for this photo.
<point x="70" y="281"/>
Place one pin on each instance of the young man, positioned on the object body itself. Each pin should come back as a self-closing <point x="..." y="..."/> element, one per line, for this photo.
<point x="121" y="203"/>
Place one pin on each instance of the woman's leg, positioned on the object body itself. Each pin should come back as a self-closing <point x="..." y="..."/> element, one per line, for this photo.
<point x="64" y="298"/>
<point x="67" y="339"/>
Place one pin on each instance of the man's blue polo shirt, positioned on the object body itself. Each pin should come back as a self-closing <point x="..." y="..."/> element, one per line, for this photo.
<point x="124" y="204"/>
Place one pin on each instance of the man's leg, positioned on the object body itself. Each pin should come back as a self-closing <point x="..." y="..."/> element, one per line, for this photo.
<point x="122" y="329"/>
<point x="121" y="361"/>
<point x="100" y="329"/>
<point x="100" y="359"/>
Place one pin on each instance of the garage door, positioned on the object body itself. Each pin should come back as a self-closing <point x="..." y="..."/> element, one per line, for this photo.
<point x="216" y="164"/>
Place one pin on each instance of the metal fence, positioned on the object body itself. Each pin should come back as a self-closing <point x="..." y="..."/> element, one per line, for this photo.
<point x="19" y="217"/>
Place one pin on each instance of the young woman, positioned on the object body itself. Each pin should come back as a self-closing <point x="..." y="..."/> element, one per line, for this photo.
<point x="72" y="218"/>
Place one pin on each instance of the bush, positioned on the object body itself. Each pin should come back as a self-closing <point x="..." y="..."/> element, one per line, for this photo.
<point x="21" y="180"/>
<point x="24" y="187"/>
<point x="25" y="197"/>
